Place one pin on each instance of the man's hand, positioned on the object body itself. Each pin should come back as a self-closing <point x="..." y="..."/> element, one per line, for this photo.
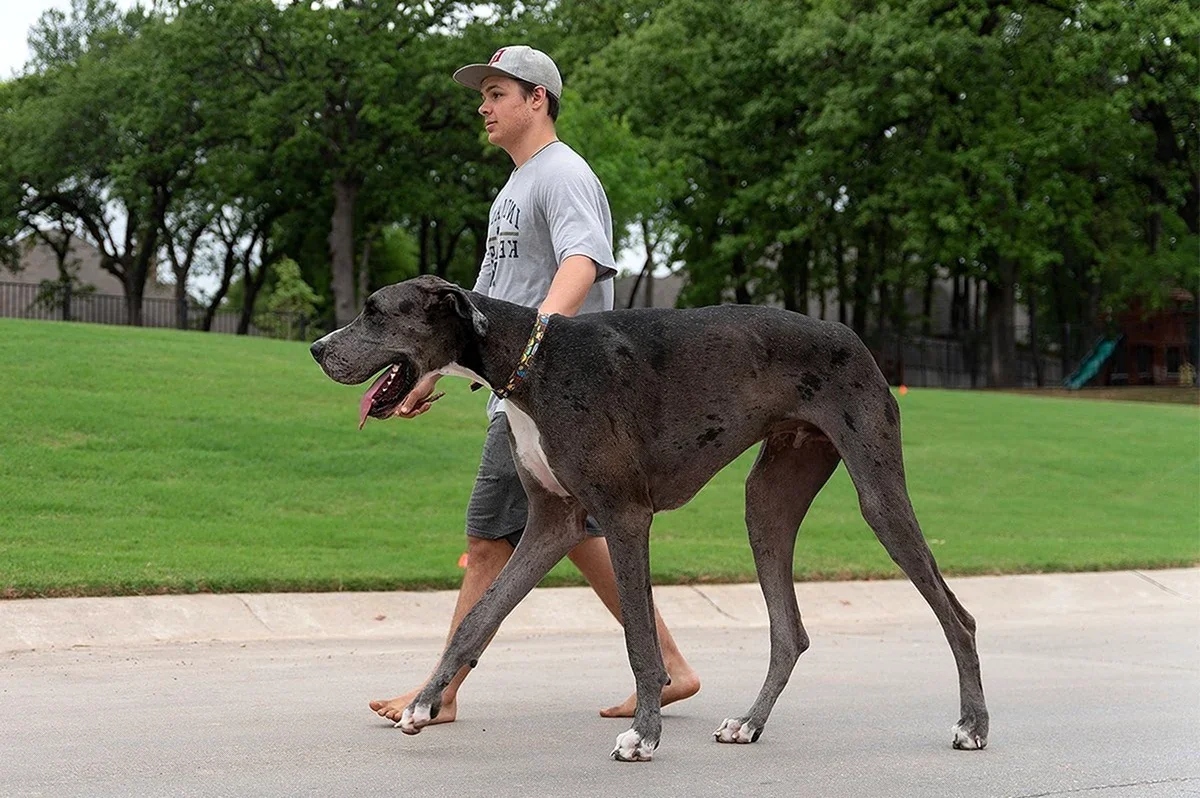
<point x="420" y="398"/>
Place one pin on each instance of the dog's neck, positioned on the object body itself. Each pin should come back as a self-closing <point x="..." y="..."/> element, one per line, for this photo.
<point x="495" y="355"/>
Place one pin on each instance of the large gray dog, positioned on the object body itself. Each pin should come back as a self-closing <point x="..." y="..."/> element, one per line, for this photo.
<point x="626" y="413"/>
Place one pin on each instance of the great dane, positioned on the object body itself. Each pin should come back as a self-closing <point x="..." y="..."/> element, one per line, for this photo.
<point x="625" y="413"/>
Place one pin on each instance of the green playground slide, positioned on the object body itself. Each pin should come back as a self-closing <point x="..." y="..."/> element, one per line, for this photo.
<point x="1090" y="366"/>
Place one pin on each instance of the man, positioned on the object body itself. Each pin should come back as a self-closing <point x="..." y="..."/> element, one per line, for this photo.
<point x="549" y="246"/>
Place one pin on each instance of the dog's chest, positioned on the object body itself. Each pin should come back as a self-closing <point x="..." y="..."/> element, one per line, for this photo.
<point x="529" y="449"/>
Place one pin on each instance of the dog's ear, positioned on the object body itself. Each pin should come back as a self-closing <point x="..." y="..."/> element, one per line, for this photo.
<point x="465" y="308"/>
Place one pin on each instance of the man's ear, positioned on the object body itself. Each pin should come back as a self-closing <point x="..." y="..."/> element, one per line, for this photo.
<point x="465" y="308"/>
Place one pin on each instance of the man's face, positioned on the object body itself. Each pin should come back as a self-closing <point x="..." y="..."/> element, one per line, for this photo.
<point x="507" y="114"/>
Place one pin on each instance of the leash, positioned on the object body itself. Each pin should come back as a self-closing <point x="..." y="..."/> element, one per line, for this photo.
<point x="531" y="348"/>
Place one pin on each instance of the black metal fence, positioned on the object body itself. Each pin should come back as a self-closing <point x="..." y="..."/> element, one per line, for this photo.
<point x="916" y="361"/>
<point x="48" y="301"/>
<point x="962" y="362"/>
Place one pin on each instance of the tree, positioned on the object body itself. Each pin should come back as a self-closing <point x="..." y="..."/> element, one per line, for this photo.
<point x="343" y="74"/>
<point x="111" y="139"/>
<point x="290" y="305"/>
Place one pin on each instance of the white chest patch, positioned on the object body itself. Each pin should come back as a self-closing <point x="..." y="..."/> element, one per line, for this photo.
<point x="529" y="449"/>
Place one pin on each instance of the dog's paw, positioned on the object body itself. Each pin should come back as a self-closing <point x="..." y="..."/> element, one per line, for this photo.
<point x="632" y="748"/>
<point x="966" y="738"/>
<point x="735" y="730"/>
<point x="415" y="717"/>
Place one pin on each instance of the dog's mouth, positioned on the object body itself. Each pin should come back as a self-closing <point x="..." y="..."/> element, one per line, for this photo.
<point x="386" y="393"/>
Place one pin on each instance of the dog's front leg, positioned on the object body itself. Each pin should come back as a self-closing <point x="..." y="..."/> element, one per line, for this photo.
<point x="628" y="534"/>
<point x="553" y="528"/>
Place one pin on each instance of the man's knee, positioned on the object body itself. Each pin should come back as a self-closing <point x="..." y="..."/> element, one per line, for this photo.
<point x="485" y="551"/>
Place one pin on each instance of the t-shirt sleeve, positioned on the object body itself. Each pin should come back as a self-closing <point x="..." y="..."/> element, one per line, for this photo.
<point x="578" y="220"/>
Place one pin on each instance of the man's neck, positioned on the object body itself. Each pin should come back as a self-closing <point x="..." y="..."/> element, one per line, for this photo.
<point x="531" y="145"/>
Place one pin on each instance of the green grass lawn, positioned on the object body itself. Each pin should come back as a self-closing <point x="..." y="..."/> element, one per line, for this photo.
<point x="151" y="460"/>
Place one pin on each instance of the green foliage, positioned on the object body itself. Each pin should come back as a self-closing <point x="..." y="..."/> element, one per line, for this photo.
<point x="290" y="305"/>
<point x="1008" y="142"/>
<point x="773" y="151"/>
<point x="618" y="158"/>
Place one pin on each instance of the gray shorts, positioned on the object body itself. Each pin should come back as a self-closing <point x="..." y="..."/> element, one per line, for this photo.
<point x="498" y="505"/>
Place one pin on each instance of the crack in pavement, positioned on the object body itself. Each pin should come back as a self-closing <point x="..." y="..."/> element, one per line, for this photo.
<point x="253" y="614"/>
<point x="714" y="604"/>
<point x="1161" y="586"/>
<point x="1148" y="783"/>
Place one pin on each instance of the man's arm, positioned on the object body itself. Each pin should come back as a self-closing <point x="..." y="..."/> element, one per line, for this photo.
<point x="570" y="287"/>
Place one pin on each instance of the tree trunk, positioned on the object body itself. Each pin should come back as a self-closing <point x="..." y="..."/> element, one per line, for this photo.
<point x="839" y="252"/>
<point x="445" y="250"/>
<point x="364" y="271"/>
<point x="341" y="250"/>
<point x="479" y="232"/>
<point x="862" y="286"/>
<point x="741" y="293"/>
<point x="253" y="283"/>
<point x="228" y="267"/>
<point x="647" y="272"/>
<point x="927" y="304"/>
<point x="181" y="304"/>
<point x="423" y="246"/>
<point x="145" y="257"/>
<point x="637" y="284"/>
<point x="956" y="303"/>
<point x="793" y="274"/>
<point x="975" y="306"/>
<point x="134" y="291"/>
<point x="1035" y="348"/>
<point x="1001" y="300"/>
<point x="61" y="246"/>
<point x="803" y="275"/>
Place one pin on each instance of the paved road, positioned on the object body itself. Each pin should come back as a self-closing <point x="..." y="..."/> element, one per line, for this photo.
<point x="1093" y="681"/>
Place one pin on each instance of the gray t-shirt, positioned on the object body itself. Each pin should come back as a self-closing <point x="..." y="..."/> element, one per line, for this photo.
<point x="552" y="207"/>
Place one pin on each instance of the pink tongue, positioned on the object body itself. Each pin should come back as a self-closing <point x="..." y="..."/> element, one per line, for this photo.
<point x="364" y="405"/>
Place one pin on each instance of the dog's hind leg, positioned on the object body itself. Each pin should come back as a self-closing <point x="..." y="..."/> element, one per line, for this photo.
<point x="554" y="527"/>
<point x="790" y="470"/>
<point x="869" y="441"/>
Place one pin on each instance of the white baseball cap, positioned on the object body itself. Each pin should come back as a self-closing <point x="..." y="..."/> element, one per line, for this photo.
<point x="518" y="61"/>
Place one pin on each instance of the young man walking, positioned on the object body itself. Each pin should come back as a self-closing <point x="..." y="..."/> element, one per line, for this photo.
<point x="549" y="246"/>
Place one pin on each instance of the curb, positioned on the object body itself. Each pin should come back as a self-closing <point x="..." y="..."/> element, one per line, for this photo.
<point x="33" y="624"/>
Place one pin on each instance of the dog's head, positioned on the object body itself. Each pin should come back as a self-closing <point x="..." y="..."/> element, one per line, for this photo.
<point x="405" y="330"/>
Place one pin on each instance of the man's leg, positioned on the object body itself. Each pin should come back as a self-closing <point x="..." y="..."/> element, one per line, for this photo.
<point x="495" y="516"/>
<point x="485" y="558"/>
<point x="592" y="560"/>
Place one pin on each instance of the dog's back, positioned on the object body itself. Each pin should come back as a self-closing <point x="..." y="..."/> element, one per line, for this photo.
<point x="702" y="384"/>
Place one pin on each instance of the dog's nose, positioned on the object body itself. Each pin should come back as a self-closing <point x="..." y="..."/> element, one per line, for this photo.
<point x="317" y="349"/>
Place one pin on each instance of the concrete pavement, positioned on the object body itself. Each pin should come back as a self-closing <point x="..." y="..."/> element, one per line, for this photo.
<point x="27" y="624"/>
<point x="1093" y="681"/>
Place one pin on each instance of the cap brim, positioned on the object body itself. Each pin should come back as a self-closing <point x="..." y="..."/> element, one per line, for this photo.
<point x="473" y="75"/>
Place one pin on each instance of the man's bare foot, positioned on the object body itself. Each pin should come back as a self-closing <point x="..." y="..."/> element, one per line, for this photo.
<point x="684" y="685"/>
<point x="393" y="709"/>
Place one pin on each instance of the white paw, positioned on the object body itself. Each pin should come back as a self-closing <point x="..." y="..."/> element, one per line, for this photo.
<point x="967" y="741"/>
<point x="413" y="719"/>
<point x="734" y="731"/>
<point x="632" y="748"/>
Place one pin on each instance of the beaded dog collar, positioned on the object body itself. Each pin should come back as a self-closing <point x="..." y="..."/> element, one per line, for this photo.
<point x="531" y="348"/>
